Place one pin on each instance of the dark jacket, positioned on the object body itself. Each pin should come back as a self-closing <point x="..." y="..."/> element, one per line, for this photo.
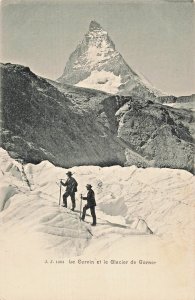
<point x="71" y="185"/>
<point x="90" y="198"/>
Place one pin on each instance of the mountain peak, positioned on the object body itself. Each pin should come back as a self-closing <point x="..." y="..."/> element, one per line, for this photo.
<point x="97" y="64"/>
<point x="94" y="26"/>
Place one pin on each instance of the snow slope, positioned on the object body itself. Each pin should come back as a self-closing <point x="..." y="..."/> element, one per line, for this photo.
<point x="132" y="204"/>
<point x="150" y="200"/>
<point x="102" y="80"/>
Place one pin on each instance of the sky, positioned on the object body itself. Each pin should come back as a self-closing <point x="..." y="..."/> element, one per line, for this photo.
<point x="157" y="39"/>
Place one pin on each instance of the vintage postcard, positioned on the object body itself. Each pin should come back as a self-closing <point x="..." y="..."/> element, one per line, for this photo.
<point x="97" y="188"/>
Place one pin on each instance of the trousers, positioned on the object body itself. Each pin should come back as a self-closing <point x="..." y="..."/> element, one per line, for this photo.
<point x="72" y="196"/>
<point x="92" y="209"/>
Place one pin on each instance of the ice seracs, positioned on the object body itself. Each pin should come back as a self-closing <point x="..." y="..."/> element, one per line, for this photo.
<point x="130" y="201"/>
<point x="36" y="233"/>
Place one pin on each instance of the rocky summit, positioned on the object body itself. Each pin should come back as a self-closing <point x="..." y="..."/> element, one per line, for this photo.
<point x="68" y="125"/>
<point x="98" y="65"/>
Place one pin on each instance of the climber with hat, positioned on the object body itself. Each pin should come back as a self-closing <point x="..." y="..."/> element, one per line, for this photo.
<point x="71" y="189"/>
<point x="90" y="204"/>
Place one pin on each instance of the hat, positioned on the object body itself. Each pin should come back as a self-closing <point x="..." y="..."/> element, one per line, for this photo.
<point x="69" y="173"/>
<point x="89" y="185"/>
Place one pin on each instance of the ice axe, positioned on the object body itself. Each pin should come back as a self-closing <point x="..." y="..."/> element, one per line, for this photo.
<point x="60" y="188"/>
<point x="81" y="205"/>
<point x="60" y="193"/>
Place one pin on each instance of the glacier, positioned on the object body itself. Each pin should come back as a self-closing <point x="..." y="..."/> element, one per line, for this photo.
<point x="142" y="215"/>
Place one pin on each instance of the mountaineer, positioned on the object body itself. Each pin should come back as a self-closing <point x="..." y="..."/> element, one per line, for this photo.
<point x="71" y="189"/>
<point x="90" y="204"/>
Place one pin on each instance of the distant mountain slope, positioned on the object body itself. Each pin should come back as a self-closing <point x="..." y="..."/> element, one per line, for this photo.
<point x="185" y="102"/>
<point x="40" y="122"/>
<point x="67" y="125"/>
<point x="160" y="134"/>
<point x="97" y="64"/>
<point x="174" y="99"/>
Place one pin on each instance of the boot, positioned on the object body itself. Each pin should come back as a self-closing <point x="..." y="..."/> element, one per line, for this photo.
<point x="64" y="202"/>
<point x="83" y="214"/>
<point x="94" y="220"/>
<point x="73" y="205"/>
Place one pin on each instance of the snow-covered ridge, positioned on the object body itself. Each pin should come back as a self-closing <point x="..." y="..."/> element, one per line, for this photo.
<point x="99" y="50"/>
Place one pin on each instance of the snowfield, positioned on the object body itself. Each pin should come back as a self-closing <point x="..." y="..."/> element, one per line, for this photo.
<point x="143" y="215"/>
<point x="102" y="80"/>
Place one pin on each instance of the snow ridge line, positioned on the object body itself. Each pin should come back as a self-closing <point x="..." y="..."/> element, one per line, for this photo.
<point x="25" y="177"/>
